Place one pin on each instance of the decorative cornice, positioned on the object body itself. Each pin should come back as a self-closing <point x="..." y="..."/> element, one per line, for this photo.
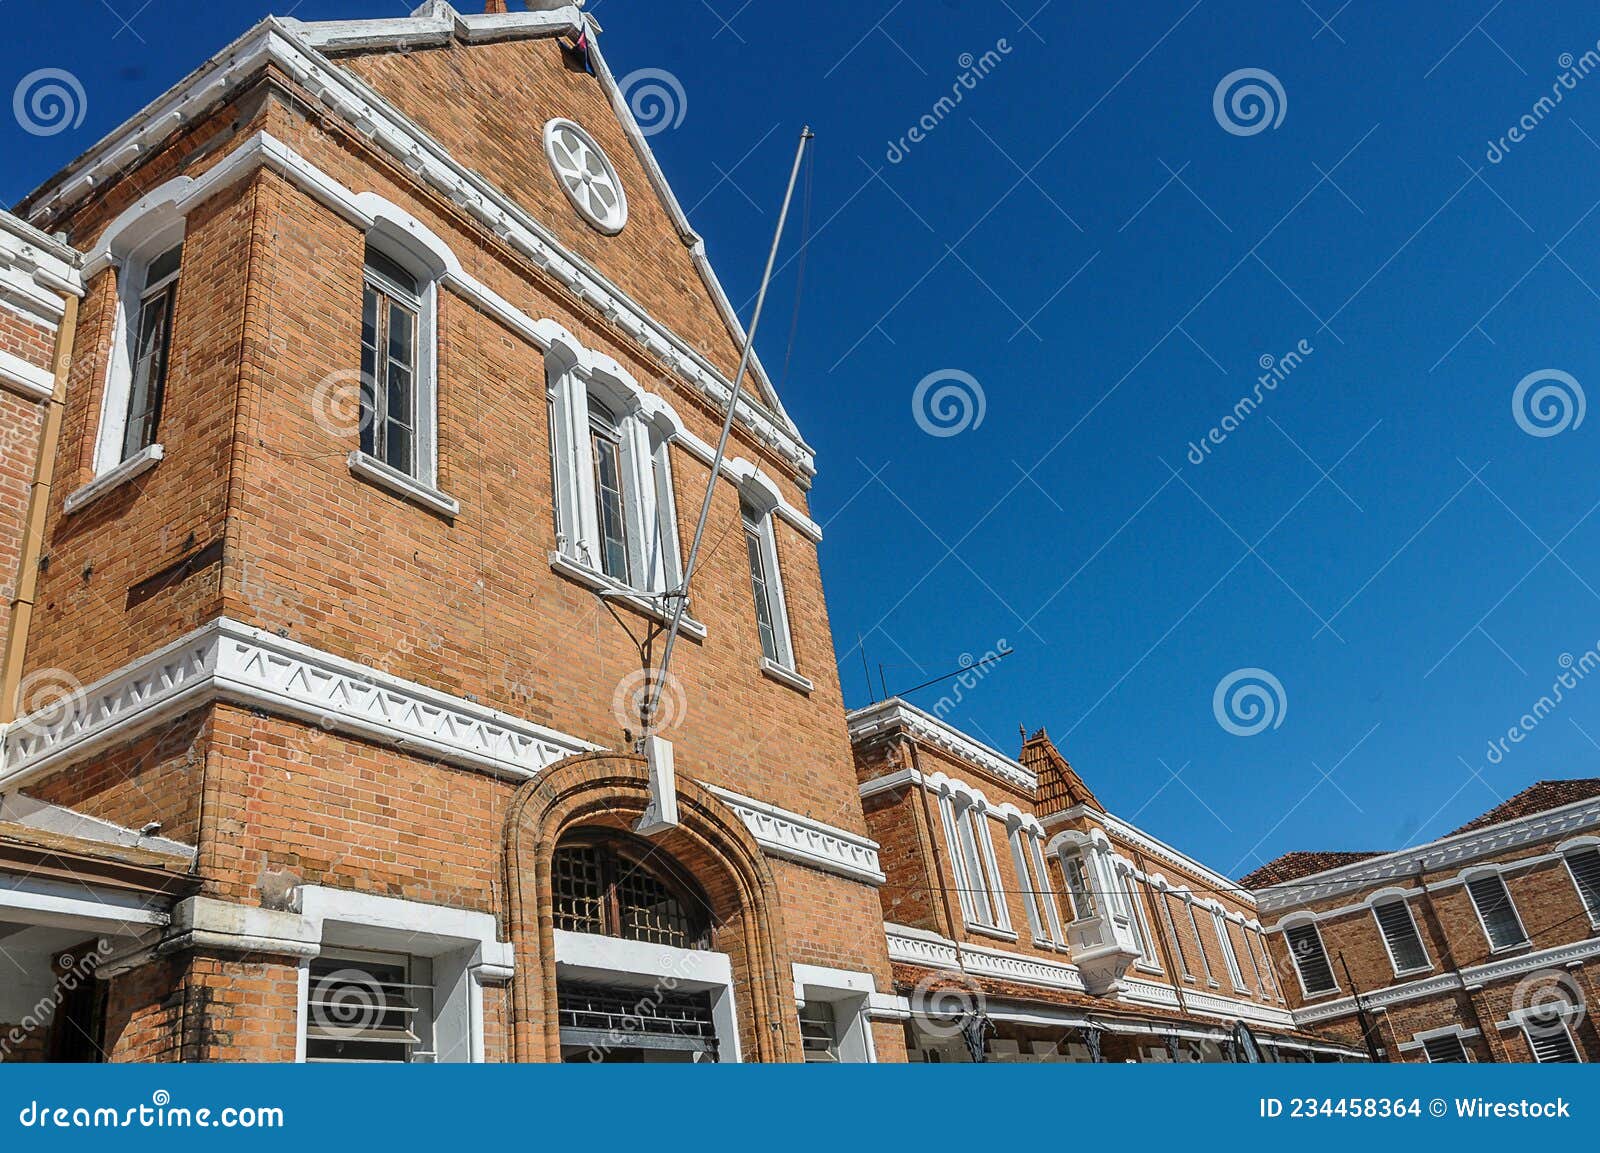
<point x="1460" y="849"/>
<point x="919" y="947"/>
<point x="896" y="714"/>
<point x="810" y="842"/>
<point x="1554" y="958"/>
<point x="284" y="44"/>
<point x="234" y="663"/>
<point x="37" y="274"/>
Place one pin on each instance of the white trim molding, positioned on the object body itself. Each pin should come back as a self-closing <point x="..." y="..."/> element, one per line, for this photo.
<point x="920" y="947"/>
<point x="131" y="469"/>
<point x="25" y="377"/>
<point x="37" y="273"/>
<point x="235" y="663"/>
<point x="1459" y="849"/>
<point x="795" y="837"/>
<point x="895" y="714"/>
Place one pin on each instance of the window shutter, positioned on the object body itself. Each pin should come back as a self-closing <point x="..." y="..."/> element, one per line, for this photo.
<point x="1551" y="1042"/>
<point x="1446" y="1050"/>
<point x="1586" y="871"/>
<point x="1312" y="959"/>
<point x="1400" y="931"/>
<point x="1493" y="900"/>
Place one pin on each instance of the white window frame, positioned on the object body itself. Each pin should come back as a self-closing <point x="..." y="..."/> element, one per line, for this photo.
<point x="1419" y="1042"/>
<point x="1230" y="957"/>
<point x="1047" y="894"/>
<point x="851" y="995"/>
<point x="646" y="473"/>
<point x="1167" y="897"/>
<point x="1149" y="954"/>
<point x="1200" y="942"/>
<point x="1294" y="959"/>
<point x="756" y="513"/>
<point x="1525" y="1023"/>
<point x="1079" y="855"/>
<point x="997" y="890"/>
<point x="1473" y="878"/>
<point x="153" y="241"/>
<point x="1032" y="890"/>
<point x="1427" y="958"/>
<point x="1579" y="849"/>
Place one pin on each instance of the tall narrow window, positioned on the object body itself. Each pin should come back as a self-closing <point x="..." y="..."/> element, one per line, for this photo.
<point x="964" y="885"/>
<point x="972" y="861"/>
<point x="1031" y="889"/>
<point x="1267" y="967"/>
<point x="1047" y="897"/>
<point x="1172" y="931"/>
<point x="152" y="343"/>
<point x="760" y="583"/>
<point x="605" y="442"/>
<point x="1229" y="956"/>
<point x="1585" y="867"/>
<point x="1400" y="934"/>
<point x="390" y="319"/>
<point x="1310" y="959"/>
<point x="1199" y="942"/>
<point x="1500" y="921"/>
<point x="1079" y="890"/>
<point x="1141" y="925"/>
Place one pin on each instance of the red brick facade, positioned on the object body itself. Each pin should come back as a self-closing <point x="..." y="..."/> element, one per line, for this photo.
<point x="254" y="517"/>
<point x="1506" y="912"/>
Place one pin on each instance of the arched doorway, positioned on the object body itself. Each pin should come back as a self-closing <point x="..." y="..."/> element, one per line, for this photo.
<point x="666" y="948"/>
<point x="658" y="1004"/>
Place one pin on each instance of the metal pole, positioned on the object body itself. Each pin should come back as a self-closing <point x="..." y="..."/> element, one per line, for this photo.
<point x="682" y="594"/>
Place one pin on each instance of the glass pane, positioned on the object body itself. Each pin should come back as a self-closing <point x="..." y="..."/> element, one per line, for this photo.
<point x="609" y="509"/>
<point x="369" y="399"/>
<point x="399" y="396"/>
<point x="369" y="317"/>
<point x="402" y="327"/>
<point x="149" y="375"/>
<point x="397" y="453"/>
<point x="758" y="587"/>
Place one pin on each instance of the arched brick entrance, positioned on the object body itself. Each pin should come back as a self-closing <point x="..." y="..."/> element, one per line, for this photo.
<point x="610" y="790"/>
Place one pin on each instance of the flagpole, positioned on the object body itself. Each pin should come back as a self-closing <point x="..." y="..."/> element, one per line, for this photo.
<point x="647" y="714"/>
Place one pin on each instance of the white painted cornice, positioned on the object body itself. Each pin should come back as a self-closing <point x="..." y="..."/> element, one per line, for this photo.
<point x="920" y="947"/>
<point x="895" y="715"/>
<point x="1131" y="834"/>
<point x="796" y="837"/>
<point x="285" y="44"/>
<point x="37" y="274"/>
<point x="1457" y="850"/>
<point x="226" y="661"/>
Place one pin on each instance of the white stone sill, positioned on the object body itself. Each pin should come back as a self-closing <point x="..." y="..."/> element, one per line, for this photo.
<point x="131" y="469"/>
<point x="772" y="670"/>
<point x="374" y="471"/>
<point x="577" y="572"/>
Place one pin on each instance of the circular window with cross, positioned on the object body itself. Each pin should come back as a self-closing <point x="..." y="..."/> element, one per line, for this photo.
<point x="586" y="176"/>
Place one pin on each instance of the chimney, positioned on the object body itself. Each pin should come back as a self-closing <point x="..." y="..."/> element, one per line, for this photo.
<point x="494" y="7"/>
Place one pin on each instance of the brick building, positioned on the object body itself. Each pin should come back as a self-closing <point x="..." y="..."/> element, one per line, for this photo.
<point x="396" y="374"/>
<point x="1027" y="923"/>
<point x="1479" y="946"/>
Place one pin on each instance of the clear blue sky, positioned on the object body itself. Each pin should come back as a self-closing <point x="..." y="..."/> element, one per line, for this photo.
<point x="1083" y="237"/>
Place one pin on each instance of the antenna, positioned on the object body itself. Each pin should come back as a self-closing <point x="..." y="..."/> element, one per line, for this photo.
<point x="681" y="595"/>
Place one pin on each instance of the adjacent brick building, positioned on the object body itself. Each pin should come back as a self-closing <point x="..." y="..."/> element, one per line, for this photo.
<point x="1479" y="946"/>
<point x="1027" y="923"/>
<point x="396" y="378"/>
